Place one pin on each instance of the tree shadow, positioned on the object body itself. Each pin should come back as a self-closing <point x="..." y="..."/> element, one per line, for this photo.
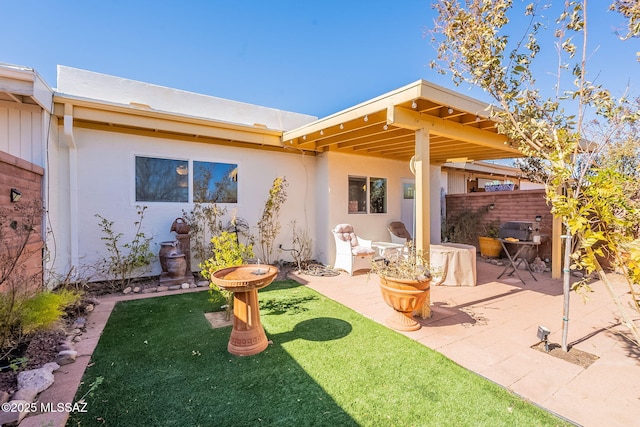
<point x="316" y="329"/>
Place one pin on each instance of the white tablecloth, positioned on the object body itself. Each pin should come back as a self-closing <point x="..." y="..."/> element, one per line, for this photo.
<point x="457" y="261"/>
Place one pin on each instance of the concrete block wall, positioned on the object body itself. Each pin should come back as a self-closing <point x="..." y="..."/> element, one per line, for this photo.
<point x="519" y="205"/>
<point x="27" y="178"/>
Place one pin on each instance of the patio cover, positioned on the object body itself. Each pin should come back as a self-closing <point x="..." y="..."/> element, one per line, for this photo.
<point x="423" y="123"/>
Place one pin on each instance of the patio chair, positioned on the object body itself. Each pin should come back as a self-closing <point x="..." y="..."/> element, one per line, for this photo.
<point x="353" y="253"/>
<point x="399" y="233"/>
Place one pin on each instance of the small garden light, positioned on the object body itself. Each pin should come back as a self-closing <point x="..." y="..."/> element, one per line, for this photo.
<point x="15" y="195"/>
<point x="543" y="335"/>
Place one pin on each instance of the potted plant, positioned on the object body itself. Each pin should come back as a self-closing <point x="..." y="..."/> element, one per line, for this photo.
<point x="405" y="284"/>
<point x="489" y="244"/>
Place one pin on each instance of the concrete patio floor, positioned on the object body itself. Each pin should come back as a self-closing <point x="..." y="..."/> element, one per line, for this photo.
<point x="488" y="329"/>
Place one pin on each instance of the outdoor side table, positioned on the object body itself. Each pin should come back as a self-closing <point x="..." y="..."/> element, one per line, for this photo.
<point x="381" y="247"/>
<point x="524" y="246"/>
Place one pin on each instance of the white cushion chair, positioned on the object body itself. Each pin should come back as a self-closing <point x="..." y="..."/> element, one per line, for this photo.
<point x="353" y="253"/>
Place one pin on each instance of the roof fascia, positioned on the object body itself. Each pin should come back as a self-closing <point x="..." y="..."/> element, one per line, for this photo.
<point x="140" y="116"/>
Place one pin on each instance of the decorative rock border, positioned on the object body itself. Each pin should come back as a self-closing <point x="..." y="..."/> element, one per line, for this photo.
<point x="163" y="288"/>
<point x="67" y="355"/>
<point x="34" y="381"/>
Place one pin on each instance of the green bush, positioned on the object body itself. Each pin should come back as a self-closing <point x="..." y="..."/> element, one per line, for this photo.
<point x="228" y="252"/>
<point x="23" y="315"/>
<point x="44" y="309"/>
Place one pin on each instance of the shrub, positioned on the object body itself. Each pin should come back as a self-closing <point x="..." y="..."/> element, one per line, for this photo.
<point x="124" y="260"/>
<point x="228" y="252"/>
<point x="269" y="226"/>
<point x="23" y="315"/>
<point x="45" y="309"/>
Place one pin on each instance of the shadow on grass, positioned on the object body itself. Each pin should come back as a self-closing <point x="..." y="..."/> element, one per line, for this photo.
<point x="162" y="365"/>
<point x="318" y="329"/>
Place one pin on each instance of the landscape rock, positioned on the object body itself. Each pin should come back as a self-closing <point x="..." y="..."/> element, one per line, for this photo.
<point x="88" y="308"/>
<point x="162" y="288"/>
<point x="77" y="338"/>
<point x="136" y="290"/>
<point x="4" y="396"/>
<point x="40" y="378"/>
<point x="185" y="286"/>
<point x="12" y="418"/>
<point x="79" y="323"/>
<point x="126" y="290"/>
<point x="64" y="345"/>
<point x="27" y="394"/>
<point x="174" y="287"/>
<point x="202" y="283"/>
<point x="66" y="357"/>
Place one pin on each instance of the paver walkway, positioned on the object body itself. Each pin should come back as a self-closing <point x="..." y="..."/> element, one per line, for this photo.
<point x="489" y="329"/>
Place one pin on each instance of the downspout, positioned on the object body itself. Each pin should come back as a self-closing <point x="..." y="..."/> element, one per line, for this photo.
<point x="73" y="184"/>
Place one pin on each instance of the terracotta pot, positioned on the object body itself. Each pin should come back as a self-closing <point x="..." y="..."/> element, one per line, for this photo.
<point x="489" y="247"/>
<point x="404" y="296"/>
<point x="176" y="266"/>
<point x="180" y="226"/>
<point x="166" y="250"/>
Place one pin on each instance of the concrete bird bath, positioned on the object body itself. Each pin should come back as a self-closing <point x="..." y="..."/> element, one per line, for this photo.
<point x="247" y="336"/>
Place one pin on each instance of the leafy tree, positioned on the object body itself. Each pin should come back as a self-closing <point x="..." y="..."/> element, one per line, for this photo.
<point x="568" y="130"/>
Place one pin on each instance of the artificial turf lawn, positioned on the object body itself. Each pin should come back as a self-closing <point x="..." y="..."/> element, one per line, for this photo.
<point x="163" y="365"/>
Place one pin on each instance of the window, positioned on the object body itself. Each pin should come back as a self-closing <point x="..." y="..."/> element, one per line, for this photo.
<point x="377" y="191"/>
<point x="215" y="182"/>
<point x="378" y="195"/>
<point x="357" y="194"/>
<point x="161" y="180"/>
<point x="409" y="190"/>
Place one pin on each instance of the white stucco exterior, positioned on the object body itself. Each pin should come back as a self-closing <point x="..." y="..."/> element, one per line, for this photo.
<point x="88" y="132"/>
<point x="333" y="174"/>
<point x="94" y="169"/>
<point x="106" y="163"/>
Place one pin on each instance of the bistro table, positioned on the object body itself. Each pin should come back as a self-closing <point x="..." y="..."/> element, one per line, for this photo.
<point x="382" y="247"/>
<point x="523" y="248"/>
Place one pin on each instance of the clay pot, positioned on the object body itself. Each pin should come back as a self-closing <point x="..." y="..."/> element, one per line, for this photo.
<point x="405" y="297"/>
<point x="176" y="265"/>
<point x="167" y="249"/>
<point x="180" y="226"/>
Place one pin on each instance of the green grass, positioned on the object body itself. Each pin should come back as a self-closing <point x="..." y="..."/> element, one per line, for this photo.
<point x="163" y="365"/>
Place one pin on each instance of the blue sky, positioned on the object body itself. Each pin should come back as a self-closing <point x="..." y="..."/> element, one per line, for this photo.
<point x="312" y="57"/>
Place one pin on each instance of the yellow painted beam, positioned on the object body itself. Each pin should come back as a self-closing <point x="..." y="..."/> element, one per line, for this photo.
<point x="409" y="119"/>
<point x="191" y="127"/>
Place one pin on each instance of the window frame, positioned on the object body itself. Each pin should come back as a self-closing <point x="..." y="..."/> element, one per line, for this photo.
<point x="354" y="182"/>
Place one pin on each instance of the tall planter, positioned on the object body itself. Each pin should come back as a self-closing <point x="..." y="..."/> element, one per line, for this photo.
<point x="404" y="297"/>
<point x="489" y="247"/>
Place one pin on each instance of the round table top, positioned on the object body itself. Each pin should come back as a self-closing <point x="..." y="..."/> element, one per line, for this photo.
<point x="245" y="277"/>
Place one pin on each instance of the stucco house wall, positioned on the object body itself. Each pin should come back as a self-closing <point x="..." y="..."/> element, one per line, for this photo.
<point x="334" y="170"/>
<point x="105" y="168"/>
<point x="100" y="123"/>
<point x="106" y="163"/>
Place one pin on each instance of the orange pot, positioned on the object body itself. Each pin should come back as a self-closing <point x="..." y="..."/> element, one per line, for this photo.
<point x="404" y="297"/>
